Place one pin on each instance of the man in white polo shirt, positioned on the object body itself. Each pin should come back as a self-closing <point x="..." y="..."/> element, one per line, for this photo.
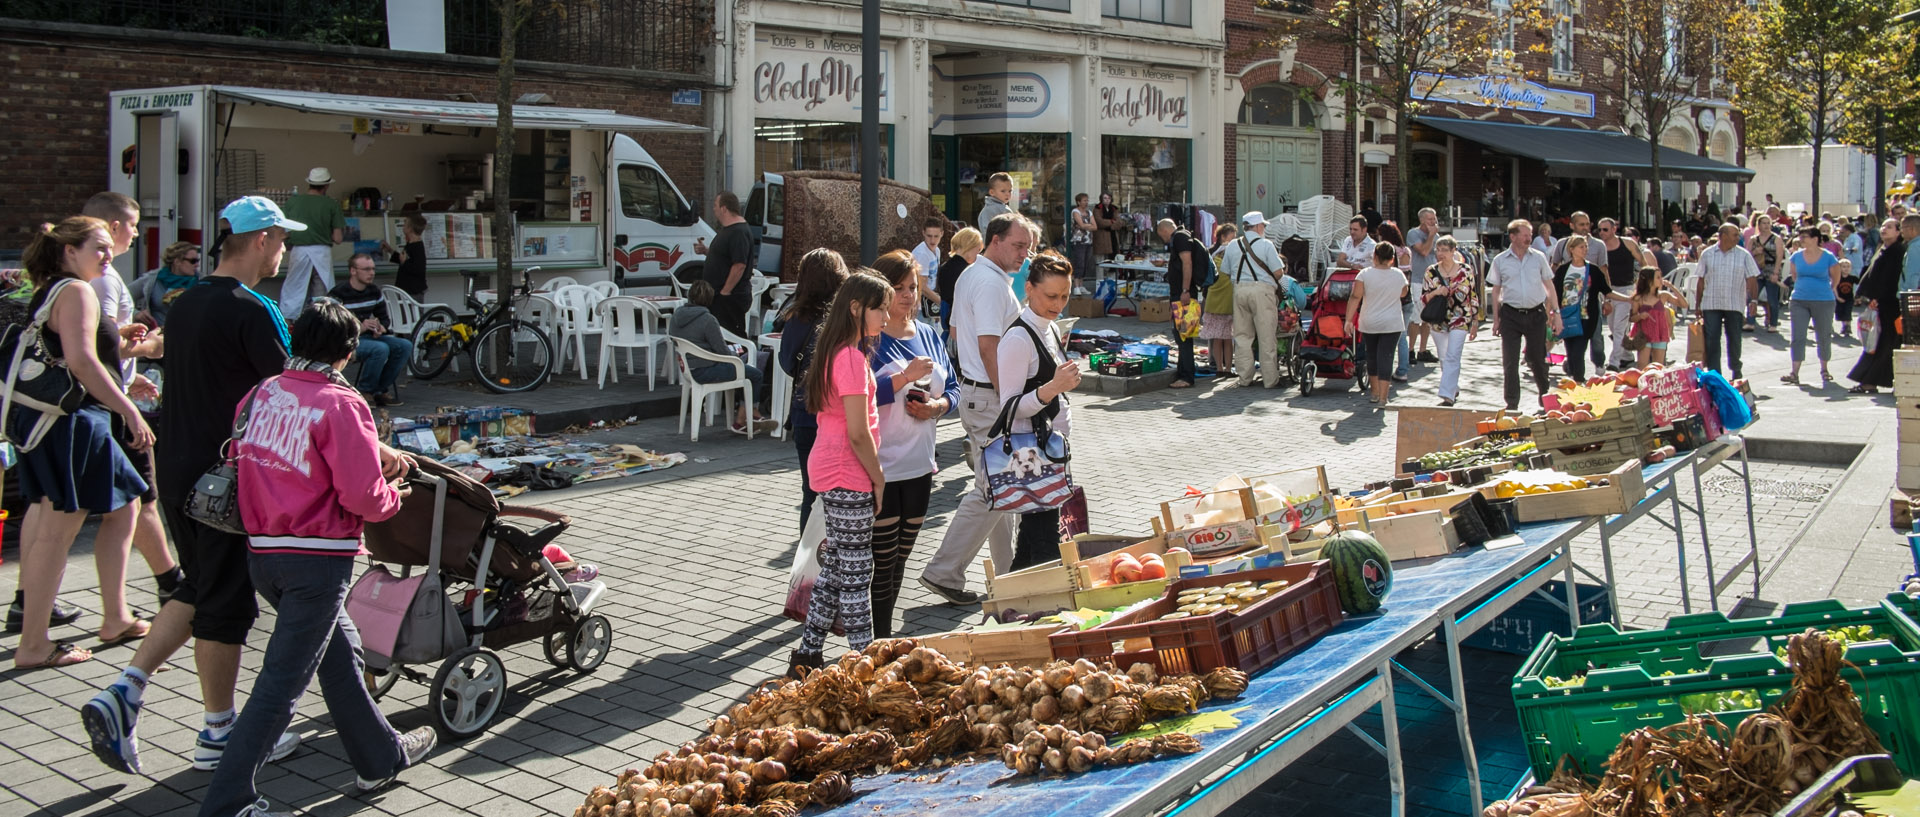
<point x="983" y="308"/>
<point x="1254" y="265"/>
<point x="1524" y="306"/>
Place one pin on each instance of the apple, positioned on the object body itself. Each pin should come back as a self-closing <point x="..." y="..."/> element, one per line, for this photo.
<point x="1154" y="569"/>
<point x="1124" y="568"/>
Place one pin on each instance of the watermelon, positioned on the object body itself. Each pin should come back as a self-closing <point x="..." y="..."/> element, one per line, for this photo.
<point x="1360" y="569"/>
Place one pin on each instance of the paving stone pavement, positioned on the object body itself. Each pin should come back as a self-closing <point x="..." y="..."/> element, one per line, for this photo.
<point x="697" y="560"/>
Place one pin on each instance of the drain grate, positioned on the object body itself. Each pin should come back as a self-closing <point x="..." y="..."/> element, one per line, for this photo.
<point x="1728" y="484"/>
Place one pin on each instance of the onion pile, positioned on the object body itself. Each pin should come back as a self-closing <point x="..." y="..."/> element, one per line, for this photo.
<point x="897" y="705"/>
<point x="1697" y="769"/>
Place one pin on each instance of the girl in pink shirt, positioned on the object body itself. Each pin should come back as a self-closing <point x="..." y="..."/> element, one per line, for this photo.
<point x="844" y="465"/>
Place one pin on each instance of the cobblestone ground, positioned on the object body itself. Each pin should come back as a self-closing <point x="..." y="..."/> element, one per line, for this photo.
<point x="697" y="560"/>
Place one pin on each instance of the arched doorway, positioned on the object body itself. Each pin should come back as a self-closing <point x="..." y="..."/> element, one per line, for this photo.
<point x="1277" y="149"/>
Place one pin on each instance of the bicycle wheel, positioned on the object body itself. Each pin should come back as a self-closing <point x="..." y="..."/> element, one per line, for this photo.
<point x="512" y="357"/>
<point x="434" y="344"/>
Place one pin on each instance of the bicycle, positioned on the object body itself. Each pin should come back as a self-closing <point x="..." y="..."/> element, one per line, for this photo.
<point x="508" y="355"/>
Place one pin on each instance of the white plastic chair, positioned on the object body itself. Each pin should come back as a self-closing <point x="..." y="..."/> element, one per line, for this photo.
<point x="578" y="319"/>
<point x="782" y="385"/>
<point x="404" y="310"/>
<point x="693" y="395"/>
<point x="757" y="307"/>
<point x="1682" y="279"/>
<point x="632" y="323"/>
<point x="555" y="283"/>
<point x="679" y="287"/>
<point x="607" y="289"/>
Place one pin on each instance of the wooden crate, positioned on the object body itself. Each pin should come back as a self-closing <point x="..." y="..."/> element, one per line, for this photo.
<point x="1096" y="572"/>
<point x="1179" y="513"/>
<point x="1377" y="510"/>
<point x="1121" y="595"/>
<point x="1414" y="535"/>
<point x="1633" y="418"/>
<point x="1900" y="511"/>
<point x="1304" y="482"/>
<point x="1604" y="459"/>
<point x="1624" y="489"/>
<point x="1040" y="587"/>
<point x="1019" y="646"/>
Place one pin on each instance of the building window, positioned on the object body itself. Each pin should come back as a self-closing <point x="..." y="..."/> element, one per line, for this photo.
<point x="1676" y="58"/>
<point x="1500" y="45"/>
<point x="782" y="144"/>
<point x="1563" y="36"/>
<point x="1037" y="162"/>
<point x="1049" y="5"/>
<point x="1145" y="170"/>
<point x="1170" y="12"/>
<point x="1277" y="105"/>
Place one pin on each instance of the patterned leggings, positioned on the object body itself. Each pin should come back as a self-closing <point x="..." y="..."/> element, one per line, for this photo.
<point x="845" y="587"/>
<point x="903" y="509"/>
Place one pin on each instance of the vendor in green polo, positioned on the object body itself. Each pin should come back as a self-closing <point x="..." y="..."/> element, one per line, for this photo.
<point x="310" y="251"/>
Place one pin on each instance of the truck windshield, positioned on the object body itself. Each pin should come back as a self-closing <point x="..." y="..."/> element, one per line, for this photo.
<point x="644" y="193"/>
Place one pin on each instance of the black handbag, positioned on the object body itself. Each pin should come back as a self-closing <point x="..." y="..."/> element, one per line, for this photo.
<point x="215" y="500"/>
<point x="1434" y="311"/>
<point x="36" y="380"/>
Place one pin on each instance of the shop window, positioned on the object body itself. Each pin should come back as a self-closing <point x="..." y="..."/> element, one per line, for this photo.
<point x="780" y="144"/>
<point x="644" y="193"/>
<point x="1038" y="163"/>
<point x="1145" y="170"/>
<point x="1277" y="105"/>
<point x="1049" y="5"/>
<point x="1170" y="12"/>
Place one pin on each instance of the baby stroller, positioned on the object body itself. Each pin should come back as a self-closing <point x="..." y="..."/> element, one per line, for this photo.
<point x="487" y="586"/>
<point x="1327" y="349"/>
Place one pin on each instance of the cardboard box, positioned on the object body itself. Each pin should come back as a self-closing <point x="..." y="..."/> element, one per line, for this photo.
<point x="1086" y="308"/>
<point x="1156" y="311"/>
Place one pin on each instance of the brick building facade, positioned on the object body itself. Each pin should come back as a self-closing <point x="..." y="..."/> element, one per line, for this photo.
<point x="53" y="128"/>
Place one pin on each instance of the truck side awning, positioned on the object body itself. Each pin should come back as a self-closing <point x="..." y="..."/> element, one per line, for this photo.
<point x="1590" y="154"/>
<point x="468" y="114"/>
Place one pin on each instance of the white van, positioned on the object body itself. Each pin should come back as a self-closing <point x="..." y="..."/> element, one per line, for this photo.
<point x="590" y="203"/>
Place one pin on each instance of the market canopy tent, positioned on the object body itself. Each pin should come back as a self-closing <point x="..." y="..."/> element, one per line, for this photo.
<point x="1590" y="154"/>
<point x="471" y="114"/>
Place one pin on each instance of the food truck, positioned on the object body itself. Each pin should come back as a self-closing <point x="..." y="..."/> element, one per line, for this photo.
<point x="588" y="201"/>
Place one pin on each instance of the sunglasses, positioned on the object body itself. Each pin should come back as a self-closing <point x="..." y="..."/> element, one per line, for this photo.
<point x="194" y="260"/>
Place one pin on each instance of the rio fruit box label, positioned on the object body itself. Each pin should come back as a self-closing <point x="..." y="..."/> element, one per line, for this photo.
<point x="1216" y="538"/>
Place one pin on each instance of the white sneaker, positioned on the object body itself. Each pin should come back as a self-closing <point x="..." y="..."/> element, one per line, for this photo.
<point x="414" y="747"/>
<point x="259" y="809"/>
<point x="207" y="750"/>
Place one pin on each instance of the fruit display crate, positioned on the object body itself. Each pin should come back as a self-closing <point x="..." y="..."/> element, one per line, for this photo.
<point x="1633" y="418"/>
<point x="1019" y="646"/>
<point x="1625" y="486"/>
<point x="1249" y="640"/>
<point x="1604" y="458"/>
<point x="1626" y="685"/>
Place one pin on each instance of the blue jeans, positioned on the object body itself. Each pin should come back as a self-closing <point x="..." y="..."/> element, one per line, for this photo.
<point x="313" y="637"/>
<point x="1402" y="354"/>
<point x="1770" y="295"/>
<point x="382" y="359"/>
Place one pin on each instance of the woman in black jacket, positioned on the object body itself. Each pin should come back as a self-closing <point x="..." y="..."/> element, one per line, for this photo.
<point x="821" y="273"/>
<point x="1879" y="289"/>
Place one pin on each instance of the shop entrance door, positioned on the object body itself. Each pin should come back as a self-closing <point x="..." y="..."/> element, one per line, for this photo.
<point x="157" y="185"/>
<point x="1276" y="168"/>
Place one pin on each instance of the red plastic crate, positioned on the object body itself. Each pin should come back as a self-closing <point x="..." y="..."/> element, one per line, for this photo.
<point x="1250" y="640"/>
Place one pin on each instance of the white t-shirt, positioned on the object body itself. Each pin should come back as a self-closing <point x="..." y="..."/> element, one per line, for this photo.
<point x="929" y="260"/>
<point x="983" y="306"/>
<point x="116" y="310"/>
<point x="1251" y="273"/>
<point x="1358" y="256"/>
<point x="1380" y="310"/>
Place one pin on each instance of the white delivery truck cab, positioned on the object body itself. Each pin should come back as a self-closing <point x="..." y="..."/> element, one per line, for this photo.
<point x="588" y="201"/>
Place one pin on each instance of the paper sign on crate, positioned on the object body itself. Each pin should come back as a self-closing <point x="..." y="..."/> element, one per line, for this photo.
<point x="1294" y="499"/>
<point x="1670" y="391"/>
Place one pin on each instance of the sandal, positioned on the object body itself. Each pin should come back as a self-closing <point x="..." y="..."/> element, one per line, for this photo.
<point x="134" y="632"/>
<point x="1180" y="384"/>
<point x="1790" y="379"/>
<point x="1826" y="379"/>
<point x="1863" y="389"/>
<point x="63" y="655"/>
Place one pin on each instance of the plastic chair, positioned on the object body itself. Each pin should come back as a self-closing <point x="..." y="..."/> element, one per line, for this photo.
<point x="782" y="386"/>
<point x="577" y="320"/>
<point x="541" y="311"/>
<point x="693" y="395"/>
<point x="555" y="283"/>
<point x="607" y="289"/>
<point x="631" y="323"/>
<point x="758" y="306"/>
<point x="404" y="310"/>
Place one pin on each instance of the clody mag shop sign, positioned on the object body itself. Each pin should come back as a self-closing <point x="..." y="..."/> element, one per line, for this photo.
<point x="1502" y="92"/>
<point x="809" y="76"/>
<point x="1145" y="100"/>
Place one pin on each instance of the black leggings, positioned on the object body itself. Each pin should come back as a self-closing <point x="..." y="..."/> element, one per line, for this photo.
<point x="1576" y="363"/>
<point x="903" y="509"/>
<point x="1378" y="349"/>
<point x="1038" y="541"/>
<point x="803" y="437"/>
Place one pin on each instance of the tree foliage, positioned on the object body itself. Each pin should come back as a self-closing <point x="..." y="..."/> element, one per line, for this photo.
<point x="1886" y="83"/>
<point x="1798" y="69"/>
<point x="1661" y="48"/>
<point x="1401" y="41"/>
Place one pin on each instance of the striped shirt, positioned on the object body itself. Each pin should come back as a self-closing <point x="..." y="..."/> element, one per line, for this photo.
<point x="1723" y="278"/>
<point x="363" y="303"/>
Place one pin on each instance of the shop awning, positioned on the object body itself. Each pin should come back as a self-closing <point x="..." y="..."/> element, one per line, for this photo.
<point x="1587" y="154"/>
<point x="468" y="114"/>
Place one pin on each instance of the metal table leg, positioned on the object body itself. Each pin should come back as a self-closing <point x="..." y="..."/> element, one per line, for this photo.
<point x="1680" y="543"/>
<point x="1606" y="560"/>
<point x="1450" y="634"/>
<point x="1390" y="726"/>
<point x="1706" y="542"/>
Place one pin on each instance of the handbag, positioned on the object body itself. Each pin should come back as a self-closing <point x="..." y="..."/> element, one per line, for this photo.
<point x="1186" y="319"/>
<point x="1434" y="311"/>
<point x="1028" y="471"/>
<point x="36" y="380"/>
<point x="215" y="500"/>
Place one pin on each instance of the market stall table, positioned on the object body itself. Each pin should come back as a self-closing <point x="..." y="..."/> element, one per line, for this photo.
<point x="1290" y="707"/>
<point x="1131" y="271"/>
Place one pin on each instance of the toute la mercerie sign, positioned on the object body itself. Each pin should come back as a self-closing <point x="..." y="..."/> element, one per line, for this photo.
<point x="809" y="76"/>
<point x="1137" y="99"/>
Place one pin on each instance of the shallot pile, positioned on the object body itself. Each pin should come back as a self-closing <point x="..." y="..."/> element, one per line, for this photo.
<point x="1696" y="769"/>
<point x="898" y="706"/>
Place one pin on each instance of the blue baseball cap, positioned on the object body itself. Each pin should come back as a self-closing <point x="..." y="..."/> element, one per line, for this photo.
<point x="250" y="213"/>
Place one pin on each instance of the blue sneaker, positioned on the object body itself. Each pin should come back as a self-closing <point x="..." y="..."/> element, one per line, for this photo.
<point x="110" y="718"/>
<point x="207" y="749"/>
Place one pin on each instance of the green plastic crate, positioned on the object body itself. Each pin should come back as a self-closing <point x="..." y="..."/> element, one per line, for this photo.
<point x="1625" y="690"/>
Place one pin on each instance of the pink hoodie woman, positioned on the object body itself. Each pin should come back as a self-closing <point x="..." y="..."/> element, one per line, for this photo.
<point x="310" y="467"/>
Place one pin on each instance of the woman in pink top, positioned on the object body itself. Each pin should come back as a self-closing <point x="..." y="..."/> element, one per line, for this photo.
<point x="312" y="472"/>
<point x="844" y="466"/>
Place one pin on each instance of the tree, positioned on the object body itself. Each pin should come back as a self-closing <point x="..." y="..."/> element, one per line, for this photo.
<point x="513" y="14"/>
<point x="1400" y="43"/>
<point x="1796" y="66"/>
<point x="1881" y="111"/>
<point x="1660" y="46"/>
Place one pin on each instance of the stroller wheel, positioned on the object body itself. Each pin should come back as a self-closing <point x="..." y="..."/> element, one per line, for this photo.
<point x="379" y="682"/>
<point x="468" y="691"/>
<point x="588" y="643"/>
<point x="1307" y="372"/>
<point x="555" y="646"/>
